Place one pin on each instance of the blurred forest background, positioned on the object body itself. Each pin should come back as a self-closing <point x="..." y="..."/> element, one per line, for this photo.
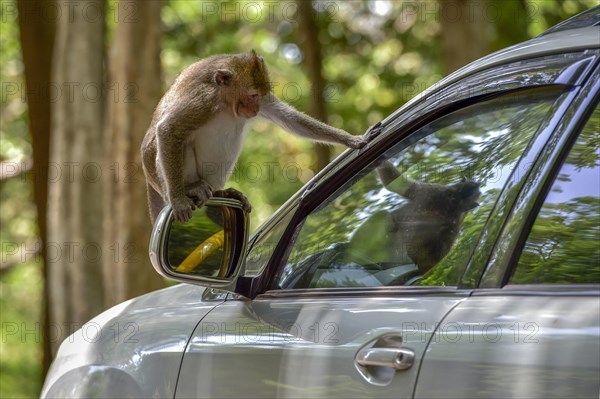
<point x="80" y="80"/>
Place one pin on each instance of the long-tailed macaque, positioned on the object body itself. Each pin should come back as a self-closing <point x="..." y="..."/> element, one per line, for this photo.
<point x="422" y="230"/>
<point x="428" y="224"/>
<point x="198" y="129"/>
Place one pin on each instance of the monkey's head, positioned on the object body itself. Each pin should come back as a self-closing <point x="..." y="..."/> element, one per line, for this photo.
<point x="244" y="80"/>
<point x="450" y="201"/>
<point x="465" y="194"/>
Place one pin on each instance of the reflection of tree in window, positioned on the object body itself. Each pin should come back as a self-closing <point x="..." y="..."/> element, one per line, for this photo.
<point x="482" y="142"/>
<point x="563" y="246"/>
<point x="263" y="248"/>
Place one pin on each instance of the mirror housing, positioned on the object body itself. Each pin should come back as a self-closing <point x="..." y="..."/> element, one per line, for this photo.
<point x="207" y="250"/>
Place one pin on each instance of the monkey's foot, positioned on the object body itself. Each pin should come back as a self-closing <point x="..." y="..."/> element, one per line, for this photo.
<point x="235" y="194"/>
<point x="182" y="209"/>
<point x="199" y="192"/>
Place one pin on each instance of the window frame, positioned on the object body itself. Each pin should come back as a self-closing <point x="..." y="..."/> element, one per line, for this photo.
<point x="421" y="113"/>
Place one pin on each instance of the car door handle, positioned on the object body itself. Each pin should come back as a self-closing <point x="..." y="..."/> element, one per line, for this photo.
<point x="379" y="360"/>
<point x="396" y="358"/>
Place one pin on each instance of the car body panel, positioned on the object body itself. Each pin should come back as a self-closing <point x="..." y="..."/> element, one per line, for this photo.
<point x="525" y="346"/>
<point x="305" y="347"/>
<point x="132" y="350"/>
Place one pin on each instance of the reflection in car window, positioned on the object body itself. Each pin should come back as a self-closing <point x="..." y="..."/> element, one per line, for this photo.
<point x="414" y="216"/>
<point x="563" y="246"/>
<point x="263" y="248"/>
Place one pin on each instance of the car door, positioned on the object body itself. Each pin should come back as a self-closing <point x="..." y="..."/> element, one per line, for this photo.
<point x="348" y="300"/>
<point x="533" y="328"/>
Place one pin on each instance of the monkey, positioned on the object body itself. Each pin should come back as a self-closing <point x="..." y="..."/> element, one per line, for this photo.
<point x="198" y="128"/>
<point x="430" y="222"/>
<point x="423" y="229"/>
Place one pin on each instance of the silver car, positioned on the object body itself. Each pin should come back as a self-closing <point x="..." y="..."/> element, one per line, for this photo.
<point x="457" y="255"/>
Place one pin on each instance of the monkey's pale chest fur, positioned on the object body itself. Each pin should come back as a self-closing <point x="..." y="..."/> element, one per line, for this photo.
<point x="214" y="149"/>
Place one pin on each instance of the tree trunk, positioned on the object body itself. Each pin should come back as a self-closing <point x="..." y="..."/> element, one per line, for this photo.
<point x="37" y="42"/>
<point x="465" y="35"/>
<point x="134" y="91"/>
<point x="75" y="216"/>
<point x="314" y="60"/>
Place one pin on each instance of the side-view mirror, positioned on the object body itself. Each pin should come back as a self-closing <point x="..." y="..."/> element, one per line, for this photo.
<point x="207" y="250"/>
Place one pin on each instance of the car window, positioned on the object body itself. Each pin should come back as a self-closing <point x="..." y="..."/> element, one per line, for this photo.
<point x="260" y="253"/>
<point x="563" y="246"/>
<point x="413" y="217"/>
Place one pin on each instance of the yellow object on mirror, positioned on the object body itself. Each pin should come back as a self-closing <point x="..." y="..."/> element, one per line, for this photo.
<point x="202" y="252"/>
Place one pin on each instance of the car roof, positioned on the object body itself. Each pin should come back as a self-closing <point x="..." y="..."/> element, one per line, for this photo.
<point x="585" y="19"/>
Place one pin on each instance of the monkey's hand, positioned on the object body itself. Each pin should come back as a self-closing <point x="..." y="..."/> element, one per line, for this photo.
<point x="199" y="192"/>
<point x="196" y="196"/>
<point x="356" y="142"/>
<point x="235" y="194"/>
<point x="182" y="208"/>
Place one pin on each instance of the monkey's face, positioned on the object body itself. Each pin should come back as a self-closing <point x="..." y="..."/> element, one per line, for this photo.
<point x="256" y="85"/>
<point x="465" y="194"/>
<point x="248" y="104"/>
<point x="448" y="201"/>
<point x="246" y="84"/>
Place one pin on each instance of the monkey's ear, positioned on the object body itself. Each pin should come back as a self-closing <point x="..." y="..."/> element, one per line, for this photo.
<point x="223" y="77"/>
<point x="258" y="59"/>
<point x="256" y="56"/>
<point x="259" y="62"/>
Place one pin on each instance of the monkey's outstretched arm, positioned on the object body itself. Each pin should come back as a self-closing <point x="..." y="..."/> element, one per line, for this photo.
<point x="387" y="173"/>
<point x="296" y="122"/>
<point x="392" y="178"/>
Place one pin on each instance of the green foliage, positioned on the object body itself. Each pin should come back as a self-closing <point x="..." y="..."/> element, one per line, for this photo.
<point x="564" y="245"/>
<point x="20" y="286"/>
<point x="15" y="143"/>
<point x="21" y="331"/>
<point x="545" y="14"/>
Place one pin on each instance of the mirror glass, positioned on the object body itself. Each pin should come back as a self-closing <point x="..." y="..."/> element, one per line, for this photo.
<point x="200" y="246"/>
